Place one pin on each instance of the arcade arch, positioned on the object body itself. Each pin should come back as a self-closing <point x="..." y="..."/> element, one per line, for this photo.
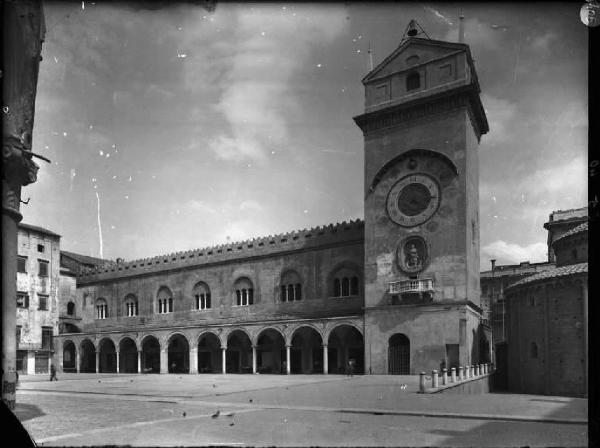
<point x="69" y="357"/>
<point x="209" y="353"/>
<point x="270" y="352"/>
<point x="128" y="356"/>
<point x="345" y="342"/>
<point x="178" y="358"/>
<point x="88" y="357"/>
<point x="150" y="355"/>
<point x="306" y="354"/>
<point x="238" y="358"/>
<point x="107" y="356"/>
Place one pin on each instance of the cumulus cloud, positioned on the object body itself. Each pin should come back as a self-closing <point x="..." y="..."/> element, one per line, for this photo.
<point x="543" y="44"/>
<point x="500" y="113"/>
<point x="251" y="205"/>
<point x="267" y="50"/>
<point x="511" y="253"/>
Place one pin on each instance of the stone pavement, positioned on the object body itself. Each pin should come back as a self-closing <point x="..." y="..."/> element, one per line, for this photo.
<point x="68" y="411"/>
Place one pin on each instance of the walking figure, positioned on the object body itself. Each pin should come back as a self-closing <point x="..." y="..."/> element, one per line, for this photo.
<point x="351" y="363"/>
<point x="53" y="373"/>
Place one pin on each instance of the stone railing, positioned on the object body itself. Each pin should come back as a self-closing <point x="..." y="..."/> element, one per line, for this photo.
<point x="439" y="381"/>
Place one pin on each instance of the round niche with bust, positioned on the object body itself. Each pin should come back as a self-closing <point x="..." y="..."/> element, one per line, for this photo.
<point x="413" y="200"/>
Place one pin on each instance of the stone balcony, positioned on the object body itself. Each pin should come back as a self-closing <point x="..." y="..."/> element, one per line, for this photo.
<point x="411" y="286"/>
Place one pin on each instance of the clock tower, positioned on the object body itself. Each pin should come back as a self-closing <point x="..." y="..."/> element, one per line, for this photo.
<point x="422" y="124"/>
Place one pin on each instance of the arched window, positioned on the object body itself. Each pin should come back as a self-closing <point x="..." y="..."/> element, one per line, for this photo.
<point x="131" y="306"/>
<point x="345" y="283"/>
<point x="244" y="292"/>
<point x="201" y="295"/>
<point x="70" y="309"/>
<point x="534" y="350"/>
<point x="291" y="287"/>
<point x="165" y="300"/>
<point x="101" y="309"/>
<point x="413" y="81"/>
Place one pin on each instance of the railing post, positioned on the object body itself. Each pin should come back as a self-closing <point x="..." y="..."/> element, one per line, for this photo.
<point x="444" y="376"/>
<point x="476" y="369"/>
<point x="453" y="375"/>
<point x="422" y="382"/>
<point x="471" y="370"/>
<point x="461" y="375"/>
<point x="434" y="379"/>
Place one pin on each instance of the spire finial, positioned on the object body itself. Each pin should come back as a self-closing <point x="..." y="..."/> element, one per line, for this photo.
<point x="461" y="27"/>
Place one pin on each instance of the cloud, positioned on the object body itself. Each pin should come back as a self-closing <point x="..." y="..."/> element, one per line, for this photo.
<point x="266" y="52"/>
<point x="543" y="44"/>
<point x="251" y="205"/>
<point x="500" y="113"/>
<point x="511" y="253"/>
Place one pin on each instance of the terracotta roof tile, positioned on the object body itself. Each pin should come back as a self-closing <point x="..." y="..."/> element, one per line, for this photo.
<point x="579" y="229"/>
<point x="563" y="271"/>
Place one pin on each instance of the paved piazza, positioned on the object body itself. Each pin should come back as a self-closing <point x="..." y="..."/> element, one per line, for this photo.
<point x="297" y="410"/>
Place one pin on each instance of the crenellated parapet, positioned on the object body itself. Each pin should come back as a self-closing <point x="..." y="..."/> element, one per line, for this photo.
<point x="306" y="239"/>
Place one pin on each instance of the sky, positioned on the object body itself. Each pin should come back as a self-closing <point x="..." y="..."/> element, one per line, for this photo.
<point x="177" y="128"/>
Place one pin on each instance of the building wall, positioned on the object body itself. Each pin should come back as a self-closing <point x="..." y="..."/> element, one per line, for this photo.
<point x="32" y="319"/>
<point x="314" y="266"/>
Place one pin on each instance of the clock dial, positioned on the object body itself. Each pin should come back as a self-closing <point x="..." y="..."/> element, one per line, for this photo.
<point x="413" y="200"/>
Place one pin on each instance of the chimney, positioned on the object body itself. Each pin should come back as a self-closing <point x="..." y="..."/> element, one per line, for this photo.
<point x="493" y="264"/>
<point x="461" y="28"/>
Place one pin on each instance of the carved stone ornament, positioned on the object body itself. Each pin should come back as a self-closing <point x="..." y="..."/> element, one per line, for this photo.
<point x="18" y="169"/>
<point x="412" y="255"/>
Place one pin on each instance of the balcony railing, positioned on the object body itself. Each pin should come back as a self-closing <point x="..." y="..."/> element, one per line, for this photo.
<point x="404" y="286"/>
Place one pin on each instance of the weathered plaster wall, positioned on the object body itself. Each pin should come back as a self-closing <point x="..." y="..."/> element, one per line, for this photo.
<point x="32" y="319"/>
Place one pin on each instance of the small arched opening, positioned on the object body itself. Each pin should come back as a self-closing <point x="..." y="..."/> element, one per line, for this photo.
<point x="70" y="309"/>
<point x="413" y="81"/>
<point x="399" y="355"/>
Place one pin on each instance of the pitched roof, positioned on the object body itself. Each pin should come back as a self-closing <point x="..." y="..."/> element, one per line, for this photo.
<point x="22" y="225"/>
<point x="84" y="259"/>
<point x="566" y="215"/>
<point x="581" y="228"/>
<point x="405" y="43"/>
<point x="563" y="271"/>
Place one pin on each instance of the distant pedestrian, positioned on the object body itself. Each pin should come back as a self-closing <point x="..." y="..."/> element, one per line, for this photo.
<point x="53" y="373"/>
<point x="351" y="363"/>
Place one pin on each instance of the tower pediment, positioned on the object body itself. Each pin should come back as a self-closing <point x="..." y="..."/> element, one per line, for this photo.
<point x="420" y="69"/>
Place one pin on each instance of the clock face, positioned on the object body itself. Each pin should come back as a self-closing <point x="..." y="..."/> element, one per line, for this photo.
<point x="413" y="200"/>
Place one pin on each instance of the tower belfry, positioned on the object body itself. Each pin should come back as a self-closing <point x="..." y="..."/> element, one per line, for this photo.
<point x="422" y="123"/>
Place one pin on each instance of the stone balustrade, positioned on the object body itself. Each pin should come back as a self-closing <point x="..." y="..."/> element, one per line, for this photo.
<point x="465" y="375"/>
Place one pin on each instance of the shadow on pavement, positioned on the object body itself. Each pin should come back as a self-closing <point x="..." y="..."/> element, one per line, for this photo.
<point x="26" y="412"/>
<point x="13" y="430"/>
<point x="568" y="435"/>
